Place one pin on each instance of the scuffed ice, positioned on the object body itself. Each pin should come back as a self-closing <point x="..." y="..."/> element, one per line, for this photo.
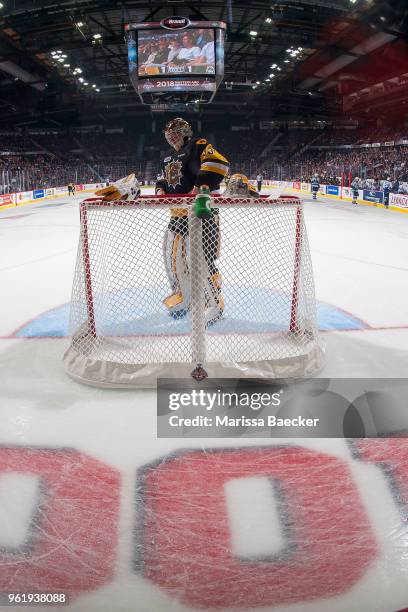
<point x="92" y="503"/>
<point x="120" y="523"/>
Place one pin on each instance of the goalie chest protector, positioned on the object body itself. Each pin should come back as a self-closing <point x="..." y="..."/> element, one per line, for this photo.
<point x="197" y="163"/>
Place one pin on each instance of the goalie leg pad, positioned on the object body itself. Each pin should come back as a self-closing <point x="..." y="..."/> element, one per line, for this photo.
<point x="175" y="251"/>
<point x="176" y="256"/>
<point x="214" y="299"/>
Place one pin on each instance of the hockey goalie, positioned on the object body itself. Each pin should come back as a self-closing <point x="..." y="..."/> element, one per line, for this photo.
<point x="190" y="164"/>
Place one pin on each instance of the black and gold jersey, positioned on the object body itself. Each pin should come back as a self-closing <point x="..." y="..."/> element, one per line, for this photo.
<point x="196" y="164"/>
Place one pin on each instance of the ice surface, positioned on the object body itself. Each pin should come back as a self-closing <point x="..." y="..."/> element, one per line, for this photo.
<point x="92" y="503"/>
<point x="19" y="493"/>
<point x="254" y="517"/>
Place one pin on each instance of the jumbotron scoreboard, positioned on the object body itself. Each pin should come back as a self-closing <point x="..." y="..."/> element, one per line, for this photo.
<point x="176" y="60"/>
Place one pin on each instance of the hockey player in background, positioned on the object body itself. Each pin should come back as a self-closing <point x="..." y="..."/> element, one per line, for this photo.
<point x="315" y="186"/>
<point x="354" y="189"/>
<point x="387" y="186"/>
<point x="192" y="163"/>
<point x="259" y="181"/>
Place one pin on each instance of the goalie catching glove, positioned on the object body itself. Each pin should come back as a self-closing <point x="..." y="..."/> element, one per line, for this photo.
<point x="127" y="188"/>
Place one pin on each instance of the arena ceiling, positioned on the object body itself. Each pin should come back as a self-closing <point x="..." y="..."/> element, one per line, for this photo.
<point x="341" y="45"/>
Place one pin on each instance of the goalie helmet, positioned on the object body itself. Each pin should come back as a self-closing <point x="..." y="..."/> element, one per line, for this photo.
<point x="239" y="186"/>
<point x="177" y="132"/>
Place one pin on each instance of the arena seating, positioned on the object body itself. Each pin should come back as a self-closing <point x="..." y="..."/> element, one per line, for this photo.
<point x="31" y="160"/>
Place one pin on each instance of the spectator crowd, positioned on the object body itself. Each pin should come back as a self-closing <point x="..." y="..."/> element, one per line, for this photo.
<point x="176" y="52"/>
<point x="48" y="160"/>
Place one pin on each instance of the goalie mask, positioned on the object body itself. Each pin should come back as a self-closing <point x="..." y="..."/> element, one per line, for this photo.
<point x="177" y="132"/>
<point x="239" y="186"/>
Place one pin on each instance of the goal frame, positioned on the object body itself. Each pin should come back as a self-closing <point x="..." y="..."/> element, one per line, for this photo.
<point x="198" y="328"/>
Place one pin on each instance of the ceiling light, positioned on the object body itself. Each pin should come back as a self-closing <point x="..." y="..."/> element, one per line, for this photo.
<point x="78" y="70"/>
<point x="81" y="80"/>
<point x="79" y="24"/>
<point x="60" y="59"/>
<point x="86" y="83"/>
<point x="67" y="65"/>
<point x="98" y="90"/>
<point x="64" y="56"/>
<point x="300" y="48"/>
<point x="277" y="68"/>
<point x="271" y="75"/>
<point x="268" y="20"/>
<point x="1" y="5"/>
<point x="93" y="85"/>
<point x="97" y="36"/>
<point x="253" y="33"/>
<point x="268" y="80"/>
<point x="287" y="61"/>
<point x="274" y="65"/>
<point x="289" y="50"/>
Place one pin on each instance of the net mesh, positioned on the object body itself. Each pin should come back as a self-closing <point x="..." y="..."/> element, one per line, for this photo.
<point x="156" y="285"/>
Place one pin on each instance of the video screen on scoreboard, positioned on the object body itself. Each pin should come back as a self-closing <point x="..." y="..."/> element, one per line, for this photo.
<point x="183" y="52"/>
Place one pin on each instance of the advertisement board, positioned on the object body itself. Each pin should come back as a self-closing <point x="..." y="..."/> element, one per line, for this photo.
<point x="399" y="199"/>
<point x="60" y="190"/>
<point x="296" y="184"/>
<point x="38" y="193"/>
<point x="373" y="196"/>
<point x="23" y="196"/>
<point x="49" y="192"/>
<point x="7" y="199"/>
<point x="332" y="190"/>
<point x="305" y="186"/>
<point x="347" y="192"/>
<point x="94" y="185"/>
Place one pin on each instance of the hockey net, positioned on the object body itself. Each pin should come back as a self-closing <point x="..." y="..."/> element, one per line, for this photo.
<point x="122" y="334"/>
